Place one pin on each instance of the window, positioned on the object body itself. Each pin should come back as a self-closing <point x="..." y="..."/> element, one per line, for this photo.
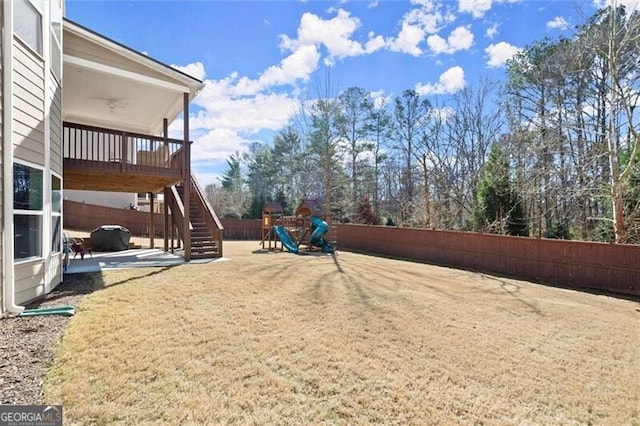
<point x="56" y="38"/>
<point x="27" y="211"/>
<point x="56" y="214"/>
<point x="27" y="24"/>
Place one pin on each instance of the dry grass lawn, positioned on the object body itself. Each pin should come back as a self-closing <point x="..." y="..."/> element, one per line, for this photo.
<point x="273" y="338"/>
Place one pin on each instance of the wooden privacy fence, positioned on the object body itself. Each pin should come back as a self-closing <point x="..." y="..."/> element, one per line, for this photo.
<point x="82" y="216"/>
<point x="580" y="264"/>
<point x="242" y="229"/>
<point x="611" y="267"/>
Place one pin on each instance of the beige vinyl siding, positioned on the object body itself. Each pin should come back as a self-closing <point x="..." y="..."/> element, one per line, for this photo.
<point x="29" y="281"/>
<point x="55" y="116"/>
<point x="28" y="107"/>
<point x="74" y="46"/>
<point x="28" y="140"/>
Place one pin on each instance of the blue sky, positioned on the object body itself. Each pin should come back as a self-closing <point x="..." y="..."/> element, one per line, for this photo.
<point x="260" y="59"/>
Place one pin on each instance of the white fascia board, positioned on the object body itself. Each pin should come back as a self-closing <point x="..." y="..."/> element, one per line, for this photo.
<point x="109" y="70"/>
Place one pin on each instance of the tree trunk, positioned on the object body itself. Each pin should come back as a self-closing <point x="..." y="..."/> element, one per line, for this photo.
<point x="617" y="196"/>
<point x="427" y="196"/>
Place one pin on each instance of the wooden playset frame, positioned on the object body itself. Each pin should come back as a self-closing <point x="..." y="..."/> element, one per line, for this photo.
<point x="297" y="226"/>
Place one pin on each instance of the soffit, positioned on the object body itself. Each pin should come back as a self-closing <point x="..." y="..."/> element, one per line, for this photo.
<point x="109" y="85"/>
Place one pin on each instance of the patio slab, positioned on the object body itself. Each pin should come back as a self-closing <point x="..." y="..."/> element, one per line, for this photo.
<point x="132" y="258"/>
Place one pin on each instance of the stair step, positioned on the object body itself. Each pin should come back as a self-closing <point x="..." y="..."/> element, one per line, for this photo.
<point x="204" y="247"/>
<point x="201" y="237"/>
<point x="204" y="256"/>
<point x="203" y="241"/>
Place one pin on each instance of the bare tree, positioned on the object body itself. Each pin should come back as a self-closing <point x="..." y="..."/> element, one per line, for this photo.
<point x="356" y="108"/>
<point x="409" y="118"/>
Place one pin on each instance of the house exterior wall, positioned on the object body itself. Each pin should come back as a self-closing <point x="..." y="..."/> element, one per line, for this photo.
<point x="36" y="123"/>
<point x="28" y="106"/>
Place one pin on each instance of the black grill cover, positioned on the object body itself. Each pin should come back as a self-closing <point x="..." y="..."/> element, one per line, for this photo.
<point x="110" y="238"/>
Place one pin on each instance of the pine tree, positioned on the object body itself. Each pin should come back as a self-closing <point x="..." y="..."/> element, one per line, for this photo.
<point x="366" y="214"/>
<point x="500" y="209"/>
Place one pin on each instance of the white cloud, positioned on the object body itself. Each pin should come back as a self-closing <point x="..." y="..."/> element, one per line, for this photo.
<point x="217" y="145"/>
<point x="460" y="39"/>
<point x="478" y="8"/>
<point x="226" y="120"/>
<point x="492" y="31"/>
<point x="304" y="51"/>
<point x="195" y="70"/>
<point x="443" y="114"/>
<point x="475" y="7"/>
<point x="221" y="108"/>
<point x="558" y="23"/>
<point x="500" y="53"/>
<point x="450" y="81"/>
<point x="375" y="42"/>
<point x="380" y="98"/>
<point x="297" y="66"/>
<point x="415" y="25"/>
<point x="408" y="40"/>
<point x="334" y="34"/>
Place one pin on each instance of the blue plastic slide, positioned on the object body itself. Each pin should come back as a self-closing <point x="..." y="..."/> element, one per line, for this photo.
<point x="320" y="227"/>
<point x="286" y="239"/>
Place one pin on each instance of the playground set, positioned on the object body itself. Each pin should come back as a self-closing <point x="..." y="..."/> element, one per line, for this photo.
<point x="304" y="229"/>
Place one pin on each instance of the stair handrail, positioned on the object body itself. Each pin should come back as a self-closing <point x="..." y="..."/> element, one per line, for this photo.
<point x="210" y="214"/>
<point x="177" y="211"/>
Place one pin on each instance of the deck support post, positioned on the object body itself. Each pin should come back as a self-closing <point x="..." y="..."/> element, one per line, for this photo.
<point x="152" y="221"/>
<point x="165" y="194"/>
<point x="187" y="179"/>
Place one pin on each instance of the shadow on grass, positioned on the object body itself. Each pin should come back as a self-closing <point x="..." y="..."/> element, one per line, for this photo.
<point x="599" y="292"/>
<point x="266" y="251"/>
<point x="512" y="289"/>
<point x="83" y="284"/>
<point x="335" y="260"/>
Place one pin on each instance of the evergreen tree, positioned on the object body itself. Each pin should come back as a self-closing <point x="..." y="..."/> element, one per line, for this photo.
<point x="499" y="210"/>
<point x="366" y="214"/>
<point x="235" y="196"/>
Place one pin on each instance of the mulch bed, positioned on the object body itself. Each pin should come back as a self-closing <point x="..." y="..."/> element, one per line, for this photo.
<point x="28" y="344"/>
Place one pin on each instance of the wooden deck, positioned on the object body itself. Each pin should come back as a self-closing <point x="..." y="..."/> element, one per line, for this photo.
<point x="99" y="159"/>
<point x="110" y="176"/>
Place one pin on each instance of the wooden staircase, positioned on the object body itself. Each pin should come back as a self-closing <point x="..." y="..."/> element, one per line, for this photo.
<point x="204" y="226"/>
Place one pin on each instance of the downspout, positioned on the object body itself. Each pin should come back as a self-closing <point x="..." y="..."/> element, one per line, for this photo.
<point x="8" y="278"/>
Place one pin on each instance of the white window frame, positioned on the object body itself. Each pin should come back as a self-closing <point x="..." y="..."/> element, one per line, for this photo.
<point x="56" y="215"/>
<point x="39" y="214"/>
<point x="36" y="7"/>
<point x="55" y="44"/>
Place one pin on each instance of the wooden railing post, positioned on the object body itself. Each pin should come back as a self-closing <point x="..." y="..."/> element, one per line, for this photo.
<point x="124" y="144"/>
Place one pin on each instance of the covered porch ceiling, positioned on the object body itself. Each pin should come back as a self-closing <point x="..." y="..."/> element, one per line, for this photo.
<point x="107" y="84"/>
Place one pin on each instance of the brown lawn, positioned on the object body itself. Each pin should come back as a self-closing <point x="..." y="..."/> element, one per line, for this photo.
<point x="274" y="338"/>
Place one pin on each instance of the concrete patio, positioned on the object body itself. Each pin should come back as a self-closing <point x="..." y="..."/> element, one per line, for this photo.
<point x="132" y="258"/>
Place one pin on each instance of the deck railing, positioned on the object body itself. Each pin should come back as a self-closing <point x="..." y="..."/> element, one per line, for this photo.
<point x="101" y="145"/>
